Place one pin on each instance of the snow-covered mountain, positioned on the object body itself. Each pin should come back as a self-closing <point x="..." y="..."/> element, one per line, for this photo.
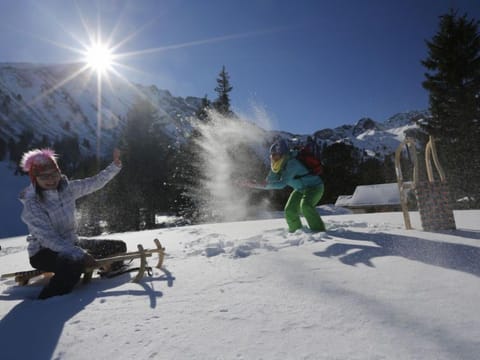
<point x="374" y="138"/>
<point x="62" y="101"/>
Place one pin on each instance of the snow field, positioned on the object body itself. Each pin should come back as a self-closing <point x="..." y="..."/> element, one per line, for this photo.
<point x="366" y="289"/>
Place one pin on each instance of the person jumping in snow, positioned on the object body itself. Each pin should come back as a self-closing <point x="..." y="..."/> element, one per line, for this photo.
<point x="285" y="171"/>
<point x="49" y="213"/>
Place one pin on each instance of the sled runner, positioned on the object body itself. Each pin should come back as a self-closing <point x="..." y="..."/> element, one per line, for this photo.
<point x="23" y="277"/>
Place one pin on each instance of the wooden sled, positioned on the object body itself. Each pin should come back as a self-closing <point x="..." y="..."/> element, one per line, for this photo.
<point x="23" y="278"/>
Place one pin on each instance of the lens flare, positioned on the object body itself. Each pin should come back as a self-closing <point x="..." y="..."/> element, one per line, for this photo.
<point x="99" y="57"/>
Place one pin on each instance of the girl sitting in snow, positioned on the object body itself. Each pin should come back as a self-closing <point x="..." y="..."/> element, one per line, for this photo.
<point x="49" y="212"/>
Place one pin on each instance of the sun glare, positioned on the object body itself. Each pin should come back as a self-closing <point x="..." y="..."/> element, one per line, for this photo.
<point x="99" y="57"/>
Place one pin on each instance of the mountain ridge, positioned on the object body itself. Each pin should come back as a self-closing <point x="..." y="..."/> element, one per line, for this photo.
<point x="49" y="97"/>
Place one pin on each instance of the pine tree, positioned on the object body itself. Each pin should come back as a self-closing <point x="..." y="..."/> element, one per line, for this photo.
<point x="3" y="149"/>
<point x="138" y="193"/>
<point x="185" y="179"/>
<point x="454" y="78"/>
<point x="453" y="82"/>
<point x="202" y="111"/>
<point x="371" y="171"/>
<point x="222" y="103"/>
<point x="341" y="168"/>
<point x="70" y="158"/>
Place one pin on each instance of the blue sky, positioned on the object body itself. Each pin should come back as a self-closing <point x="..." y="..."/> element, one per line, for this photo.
<point x="309" y="64"/>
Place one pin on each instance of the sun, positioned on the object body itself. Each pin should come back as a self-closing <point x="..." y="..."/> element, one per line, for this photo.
<point x="99" y="57"/>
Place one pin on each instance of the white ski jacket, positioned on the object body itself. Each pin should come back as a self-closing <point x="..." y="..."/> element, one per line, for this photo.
<point x="51" y="221"/>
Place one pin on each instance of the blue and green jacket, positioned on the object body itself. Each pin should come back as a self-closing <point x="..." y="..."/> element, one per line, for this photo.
<point x="294" y="174"/>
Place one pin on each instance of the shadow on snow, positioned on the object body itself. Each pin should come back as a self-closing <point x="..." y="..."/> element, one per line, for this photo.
<point x="459" y="257"/>
<point x="32" y="329"/>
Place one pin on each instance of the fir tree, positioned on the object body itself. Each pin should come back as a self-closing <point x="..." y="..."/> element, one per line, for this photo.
<point x="453" y="82"/>
<point x="202" y="111"/>
<point x="3" y="149"/>
<point x="371" y="171"/>
<point x="138" y="193"/>
<point x="341" y="168"/>
<point x="222" y="103"/>
<point x="186" y="178"/>
<point x="70" y="155"/>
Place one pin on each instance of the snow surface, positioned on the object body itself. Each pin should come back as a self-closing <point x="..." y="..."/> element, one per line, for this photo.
<point x="366" y="289"/>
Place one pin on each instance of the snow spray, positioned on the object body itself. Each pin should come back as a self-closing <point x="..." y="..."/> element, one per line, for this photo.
<point x="225" y="162"/>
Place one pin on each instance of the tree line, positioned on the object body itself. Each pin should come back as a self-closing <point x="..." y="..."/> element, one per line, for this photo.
<point x="159" y="176"/>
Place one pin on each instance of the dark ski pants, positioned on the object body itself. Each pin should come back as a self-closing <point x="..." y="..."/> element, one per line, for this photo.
<point x="67" y="270"/>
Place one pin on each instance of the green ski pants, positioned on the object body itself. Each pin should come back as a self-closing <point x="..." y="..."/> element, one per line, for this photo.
<point x="304" y="202"/>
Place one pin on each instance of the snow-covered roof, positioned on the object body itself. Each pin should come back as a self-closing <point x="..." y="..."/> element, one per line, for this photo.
<point x="369" y="195"/>
<point x="343" y="200"/>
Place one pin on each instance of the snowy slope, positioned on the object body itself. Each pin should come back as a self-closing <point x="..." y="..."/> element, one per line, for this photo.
<point x="367" y="289"/>
<point x="62" y="100"/>
<point x="374" y="138"/>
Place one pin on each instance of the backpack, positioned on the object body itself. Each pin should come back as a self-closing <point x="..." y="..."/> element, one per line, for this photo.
<point x="307" y="157"/>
